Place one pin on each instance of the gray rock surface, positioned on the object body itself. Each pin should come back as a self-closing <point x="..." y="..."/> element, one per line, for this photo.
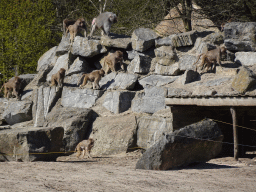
<point x="76" y="123"/>
<point x="240" y="36"/>
<point x="46" y="58"/>
<point x="114" y="135"/>
<point x="30" y="144"/>
<point x="151" y="129"/>
<point x="80" y="98"/>
<point x="143" y="39"/>
<point x="17" y="111"/>
<point x="156" y="80"/>
<point x="122" y="42"/>
<point x="118" y="101"/>
<point x="184" y="146"/>
<point x="118" y="81"/>
<point x="245" y="58"/>
<point x="140" y="65"/>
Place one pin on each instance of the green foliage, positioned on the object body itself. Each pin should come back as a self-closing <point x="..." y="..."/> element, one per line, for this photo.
<point x="25" y="34"/>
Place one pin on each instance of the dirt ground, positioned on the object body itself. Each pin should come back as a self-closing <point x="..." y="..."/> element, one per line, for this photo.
<point x="117" y="173"/>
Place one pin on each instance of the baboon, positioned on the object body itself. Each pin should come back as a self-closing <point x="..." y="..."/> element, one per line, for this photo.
<point x="58" y="78"/>
<point x="66" y="23"/>
<point x="74" y="28"/>
<point x="104" y="22"/>
<point x="94" y="77"/>
<point x="112" y="59"/>
<point x="13" y="87"/>
<point x="85" y="146"/>
<point x="210" y="58"/>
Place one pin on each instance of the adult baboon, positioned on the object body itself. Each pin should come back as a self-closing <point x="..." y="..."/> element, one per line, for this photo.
<point x="84" y="146"/>
<point x="12" y="87"/>
<point x="112" y="59"/>
<point x="104" y="22"/>
<point x="210" y="58"/>
<point x="94" y="77"/>
<point x="58" y="78"/>
<point x="74" y="28"/>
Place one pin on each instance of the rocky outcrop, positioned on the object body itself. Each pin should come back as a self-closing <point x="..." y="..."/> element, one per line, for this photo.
<point x="30" y="144"/>
<point x="194" y="143"/>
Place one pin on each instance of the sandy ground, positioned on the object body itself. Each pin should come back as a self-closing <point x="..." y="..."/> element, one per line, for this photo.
<point x="117" y="173"/>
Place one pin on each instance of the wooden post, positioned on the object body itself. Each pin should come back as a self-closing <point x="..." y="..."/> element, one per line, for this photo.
<point x="235" y="136"/>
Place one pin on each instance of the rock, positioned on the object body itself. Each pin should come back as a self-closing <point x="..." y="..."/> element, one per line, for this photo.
<point x="189" y="76"/>
<point x="245" y="58"/>
<point x="46" y="58"/>
<point x="44" y="99"/>
<point x="80" y="98"/>
<point x="151" y="101"/>
<point x="183" y="147"/>
<point x="78" y="66"/>
<point x="64" y="45"/>
<point x="118" y="81"/>
<point x="166" y="51"/>
<point x="151" y="129"/>
<point x="226" y="71"/>
<point x="178" y="40"/>
<point x="113" y="135"/>
<point x="76" y="123"/>
<point x="132" y="54"/>
<point x="215" y="82"/>
<point x="123" y="42"/>
<point x="26" y="79"/>
<point x="244" y="80"/>
<point x="160" y="69"/>
<point x="156" y="80"/>
<point x="215" y="38"/>
<point x="240" y="36"/>
<point x="178" y="92"/>
<point x="17" y="111"/>
<point x="87" y="48"/>
<point x="186" y="62"/>
<point x="39" y="79"/>
<point x="72" y="80"/>
<point x="118" y="101"/>
<point x="140" y="64"/>
<point x="143" y="39"/>
<point x="62" y="62"/>
<point x="30" y="144"/>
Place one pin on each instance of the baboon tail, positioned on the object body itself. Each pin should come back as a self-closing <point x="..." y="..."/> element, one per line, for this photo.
<point x="197" y="59"/>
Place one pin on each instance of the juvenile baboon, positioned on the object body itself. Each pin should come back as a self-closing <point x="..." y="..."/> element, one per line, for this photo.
<point x="94" y="77"/>
<point x="58" y="78"/>
<point x="210" y="58"/>
<point x="66" y="23"/>
<point x="104" y="22"/>
<point x="85" y="146"/>
<point x="112" y="59"/>
<point x="12" y="87"/>
<point x="74" y="28"/>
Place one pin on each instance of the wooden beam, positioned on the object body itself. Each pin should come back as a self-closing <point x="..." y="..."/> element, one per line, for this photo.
<point x="235" y="136"/>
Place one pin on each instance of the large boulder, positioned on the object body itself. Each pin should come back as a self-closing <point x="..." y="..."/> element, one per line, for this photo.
<point x="30" y="144"/>
<point x="113" y="135"/>
<point x="17" y="111"/>
<point x="123" y="42"/>
<point x="76" y="123"/>
<point x="245" y="58"/>
<point x="198" y="142"/>
<point x="80" y="98"/>
<point x="151" y="129"/>
<point x="115" y="80"/>
<point x="240" y="36"/>
<point x="118" y="101"/>
<point x="46" y="58"/>
<point x="87" y="48"/>
<point x="150" y="101"/>
<point x="156" y="80"/>
<point x="140" y="64"/>
<point x="244" y="80"/>
<point x="143" y="39"/>
<point x="44" y="99"/>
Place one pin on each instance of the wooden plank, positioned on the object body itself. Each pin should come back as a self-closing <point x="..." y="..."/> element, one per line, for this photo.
<point x="219" y="101"/>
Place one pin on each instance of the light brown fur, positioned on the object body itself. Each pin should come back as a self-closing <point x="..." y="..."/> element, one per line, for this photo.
<point x="77" y="26"/>
<point x="112" y="59"/>
<point x="210" y="58"/>
<point x="84" y="146"/>
<point x="12" y="87"/>
<point x="58" y="78"/>
<point x="94" y="76"/>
